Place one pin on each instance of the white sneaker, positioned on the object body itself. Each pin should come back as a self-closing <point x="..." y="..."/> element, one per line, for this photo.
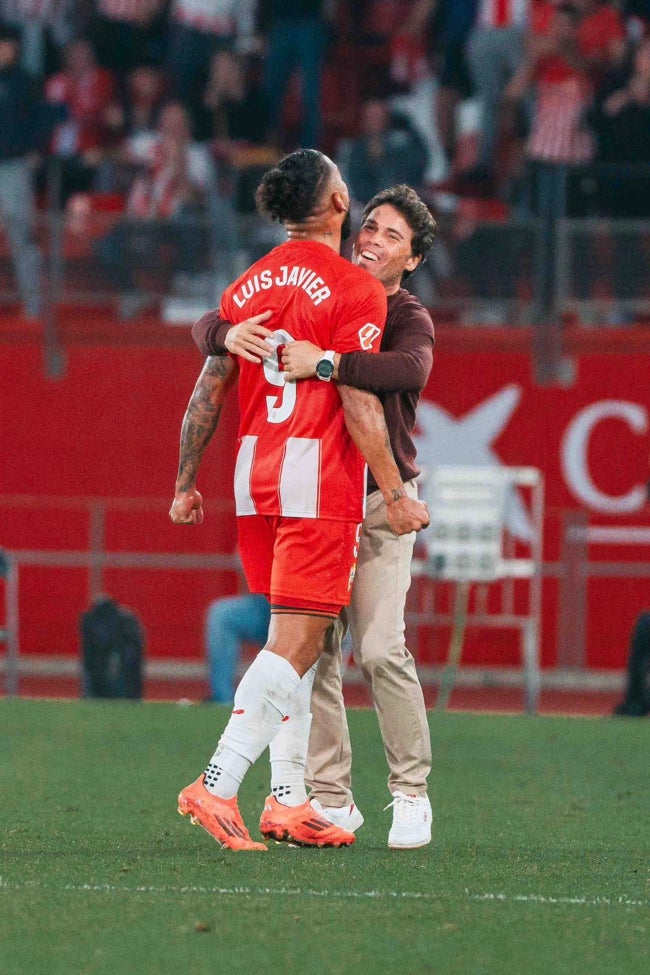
<point x="348" y="817"/>
<point x="411" y="822"/>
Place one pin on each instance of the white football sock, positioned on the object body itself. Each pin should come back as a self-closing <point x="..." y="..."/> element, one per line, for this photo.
<point x="288" y="750"/>
<point x="264" y="698"/>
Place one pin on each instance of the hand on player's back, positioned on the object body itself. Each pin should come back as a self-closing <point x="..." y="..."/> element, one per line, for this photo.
<point x="248" y="338"/>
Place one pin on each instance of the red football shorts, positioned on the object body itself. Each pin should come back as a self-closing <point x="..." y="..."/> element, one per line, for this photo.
<point x="300" y="563"/>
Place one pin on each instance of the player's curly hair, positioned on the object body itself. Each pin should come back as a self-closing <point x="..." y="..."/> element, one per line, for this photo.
<point x="414" y="210"/>
<point x="291" y="190"/>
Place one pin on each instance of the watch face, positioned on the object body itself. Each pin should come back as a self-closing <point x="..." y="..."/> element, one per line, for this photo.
<point x="324" y="369"/>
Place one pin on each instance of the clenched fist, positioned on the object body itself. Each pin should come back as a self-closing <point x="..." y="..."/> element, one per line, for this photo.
<point x="187" y="508"/>
<point x="407" y="515"/>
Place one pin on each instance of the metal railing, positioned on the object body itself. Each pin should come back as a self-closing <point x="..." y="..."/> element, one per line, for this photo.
<point x="601" y="275"/>
<point x="483" y="272"/>
<point x="578" y="570"/>
<point x="572" y="572"/>
<point x="96" y="558"/>
<point x="478" y="272"/>
<point x="9" y="630"/>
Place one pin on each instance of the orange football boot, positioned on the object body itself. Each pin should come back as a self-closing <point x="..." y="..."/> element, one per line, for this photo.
<point x="301" y="825"/>
<point x="220" y="818"/>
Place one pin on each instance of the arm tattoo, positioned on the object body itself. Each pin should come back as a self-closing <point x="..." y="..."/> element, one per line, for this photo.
<point x="201" y="418"/>
<point x="217" y="366"/>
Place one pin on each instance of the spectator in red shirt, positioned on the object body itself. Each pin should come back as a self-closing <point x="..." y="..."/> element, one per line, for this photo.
<point x="88" y="93"/>
<point x="167" y="208"/>
<point x="569" y="47"/>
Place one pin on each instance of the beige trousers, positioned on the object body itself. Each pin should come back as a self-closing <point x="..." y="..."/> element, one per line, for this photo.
<point x="376" y="620"/>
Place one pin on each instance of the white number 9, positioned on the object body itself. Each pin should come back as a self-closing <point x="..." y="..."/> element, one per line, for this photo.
<point x="279" y="408"/>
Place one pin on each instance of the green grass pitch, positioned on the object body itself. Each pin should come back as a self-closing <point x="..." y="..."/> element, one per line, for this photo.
<point x="539" y="862"/>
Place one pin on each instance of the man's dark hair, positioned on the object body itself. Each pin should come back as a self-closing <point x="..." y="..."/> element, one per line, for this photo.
<point x="291" y="190"/>
<point x="414" y="210"/>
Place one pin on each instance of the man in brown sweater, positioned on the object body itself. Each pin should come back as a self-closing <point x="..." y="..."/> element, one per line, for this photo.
<point x="396" y="233"/>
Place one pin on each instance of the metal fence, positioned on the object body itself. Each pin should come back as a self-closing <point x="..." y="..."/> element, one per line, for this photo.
<point x="520" y="272"/>
<point x="479" y="271"/>
<point x="428" y="605"/>
<point x="602" y="270"/>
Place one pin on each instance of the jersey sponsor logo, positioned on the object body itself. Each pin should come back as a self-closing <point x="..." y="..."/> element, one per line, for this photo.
<point x="367" y="335"/>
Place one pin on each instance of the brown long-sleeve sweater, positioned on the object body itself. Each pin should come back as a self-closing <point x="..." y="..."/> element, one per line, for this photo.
<point x="397" y="374"/>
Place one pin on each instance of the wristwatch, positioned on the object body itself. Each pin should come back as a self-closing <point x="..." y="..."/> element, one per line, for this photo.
<point x="325" y="366"/>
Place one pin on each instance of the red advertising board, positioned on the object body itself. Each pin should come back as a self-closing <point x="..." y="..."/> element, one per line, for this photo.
<point x="109" y="430"/>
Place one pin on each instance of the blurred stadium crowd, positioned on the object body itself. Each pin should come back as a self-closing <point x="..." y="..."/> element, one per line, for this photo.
<point x="165" y="112"/>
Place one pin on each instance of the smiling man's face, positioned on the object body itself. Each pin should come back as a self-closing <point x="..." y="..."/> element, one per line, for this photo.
<point x="384" y="247"/>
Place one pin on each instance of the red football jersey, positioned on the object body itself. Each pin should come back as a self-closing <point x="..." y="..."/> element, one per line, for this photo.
<point x="87" y="100"/>
<point x="296" y="457"/>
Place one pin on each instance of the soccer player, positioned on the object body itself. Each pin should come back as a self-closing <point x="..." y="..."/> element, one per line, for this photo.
<point x="299" y="486"/>
<point x="396" y="233"/>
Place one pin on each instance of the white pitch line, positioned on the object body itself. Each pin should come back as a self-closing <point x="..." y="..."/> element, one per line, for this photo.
<point x="499" y="898"/>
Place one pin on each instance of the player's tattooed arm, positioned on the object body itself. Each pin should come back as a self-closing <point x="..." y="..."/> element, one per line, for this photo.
<point x="199" y="423"/>
<point x="366" y="424"/>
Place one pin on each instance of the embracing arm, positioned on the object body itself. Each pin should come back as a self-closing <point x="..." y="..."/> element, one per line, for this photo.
<point x="402" y="364"/>
<point x="199" y="423"/>
<point x="404" y="367"/>
<point x="215" y="336"/>
<point x="364" y="419"/>
<point x="209" y="334"/>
